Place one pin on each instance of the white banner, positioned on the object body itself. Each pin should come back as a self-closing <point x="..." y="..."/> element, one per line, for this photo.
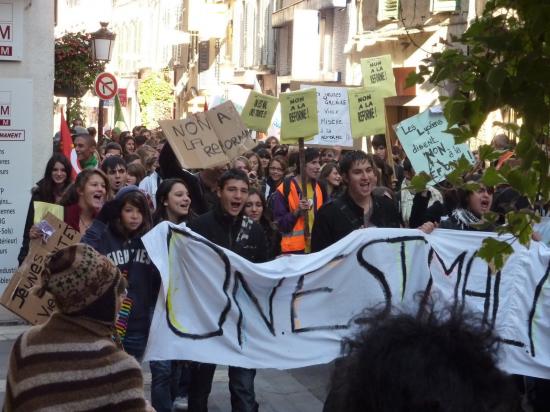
<point x="293" y="311"/>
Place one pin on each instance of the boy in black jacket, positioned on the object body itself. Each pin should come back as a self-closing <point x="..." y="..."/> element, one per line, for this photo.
<point x="226" y="226"/>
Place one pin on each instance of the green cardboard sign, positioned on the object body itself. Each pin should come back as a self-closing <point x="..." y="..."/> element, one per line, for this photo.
<point x="429" y="148"/>
<point x="366" y="112"/>
<point x="378" y="74"/>
<point x="298" y="115"/>
<point x="258" y="111"/>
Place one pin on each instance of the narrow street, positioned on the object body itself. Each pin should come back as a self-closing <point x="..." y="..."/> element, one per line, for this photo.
<point x="296" y="390"/>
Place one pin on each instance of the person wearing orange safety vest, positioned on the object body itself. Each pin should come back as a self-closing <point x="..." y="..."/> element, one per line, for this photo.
<point x="289" y="205"/>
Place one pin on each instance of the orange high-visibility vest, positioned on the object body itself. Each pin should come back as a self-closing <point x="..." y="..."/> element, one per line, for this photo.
<point x="295" y="240"/>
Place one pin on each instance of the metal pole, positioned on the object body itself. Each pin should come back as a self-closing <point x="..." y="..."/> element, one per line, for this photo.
<point x="100" y="118"/>
<point x="303" y="179"/>
<point x="67" y="111"/>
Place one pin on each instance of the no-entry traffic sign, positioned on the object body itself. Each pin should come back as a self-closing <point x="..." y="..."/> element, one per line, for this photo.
<point x="105" y="86"/>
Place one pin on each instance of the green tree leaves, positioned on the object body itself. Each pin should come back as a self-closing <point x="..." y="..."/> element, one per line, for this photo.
<point x="505" y="67"/>
<point x="155" y="99"/>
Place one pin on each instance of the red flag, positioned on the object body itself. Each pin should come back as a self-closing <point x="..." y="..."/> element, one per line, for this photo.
<point x="66" y="142"/>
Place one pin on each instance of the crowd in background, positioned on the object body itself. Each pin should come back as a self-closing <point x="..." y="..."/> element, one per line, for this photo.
<point x="131" y="180"/>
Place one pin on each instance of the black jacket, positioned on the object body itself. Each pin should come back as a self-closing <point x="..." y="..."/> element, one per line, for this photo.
<point x="131" y="257"/>
<point x="222" y="229"/>
<point x="342" y="216"/>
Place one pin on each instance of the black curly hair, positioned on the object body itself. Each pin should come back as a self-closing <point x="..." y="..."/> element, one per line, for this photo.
<point x="432" y="361"/>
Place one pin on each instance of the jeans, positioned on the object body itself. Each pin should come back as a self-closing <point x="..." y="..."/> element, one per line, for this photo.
<point x="241" y="386"/>
<point x="169" y="379"/>
<point x="161" y="394"/>
<point x="134" y="343"/>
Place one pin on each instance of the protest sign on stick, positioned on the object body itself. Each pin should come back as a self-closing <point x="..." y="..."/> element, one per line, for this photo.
<point x="258" y="111"/>
<point x="332" y="117"/>
<point x="298" y="115"/>
<point x="378" y="74"/>
<point x="366" y="112"/>
<point x="19" y="296"/>
<point x="233" y="136"/>
<point x="429" y="148"/>
<point x="194" y="142"/>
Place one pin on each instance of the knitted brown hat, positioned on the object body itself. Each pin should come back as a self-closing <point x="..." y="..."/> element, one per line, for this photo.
<point x="77" y="276"/>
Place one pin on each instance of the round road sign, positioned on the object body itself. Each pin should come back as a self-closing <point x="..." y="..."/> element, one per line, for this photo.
<point x="105" y="86"/>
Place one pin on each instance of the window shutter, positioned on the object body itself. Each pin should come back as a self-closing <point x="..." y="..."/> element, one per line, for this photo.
<point x="388" y="10"/>
<point x="438" y="6"/>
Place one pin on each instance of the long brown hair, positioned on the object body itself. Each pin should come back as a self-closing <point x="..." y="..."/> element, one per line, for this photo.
<point x="71" y="196"/>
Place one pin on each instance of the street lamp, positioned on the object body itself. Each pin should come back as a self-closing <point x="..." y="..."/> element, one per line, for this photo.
<point x="103" y="42"/>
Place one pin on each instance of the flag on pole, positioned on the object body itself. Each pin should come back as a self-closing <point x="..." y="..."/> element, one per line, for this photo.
<point x="120" y="122"/>
<point x="66" y="142"/>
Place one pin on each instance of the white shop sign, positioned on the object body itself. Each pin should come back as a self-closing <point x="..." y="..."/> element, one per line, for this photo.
<point x="16" y="97"/>
<point x="11" y="30"/>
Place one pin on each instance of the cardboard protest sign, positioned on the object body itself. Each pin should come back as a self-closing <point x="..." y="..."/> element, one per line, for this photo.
<point x="366" y="112"/>
<point x="378" y="74"/>
<point x="19" y="296"/>
<point x="258" y="111"/>
<point x="41" y="209"/>
<point x="298" y="115"/>
<point x="194" y="142"/>
<point x="428" y="147"/>
<point x="332" y="117"/>
<point x="233" y="136"/>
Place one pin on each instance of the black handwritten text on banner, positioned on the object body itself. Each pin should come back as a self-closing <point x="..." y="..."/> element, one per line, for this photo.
<point x="293" y="311"/>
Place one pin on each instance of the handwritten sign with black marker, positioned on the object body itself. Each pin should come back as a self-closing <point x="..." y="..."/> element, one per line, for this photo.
<point x="194" y="142"/>
<point x="298" y="115"/>
<point x="378" y="74"/>
<point x="258" y="111"/>
<point x="294" y="312"/>
<point x="366" y="111"/>
<point x="19" y="296"/>
<point x="332" y="117"/>
<point x="233" y="136"/>
<point x="428" y="147"/>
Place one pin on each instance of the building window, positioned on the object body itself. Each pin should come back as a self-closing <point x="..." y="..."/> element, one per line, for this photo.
<point x="437" y="6"/>
<point x="388" y="10"/>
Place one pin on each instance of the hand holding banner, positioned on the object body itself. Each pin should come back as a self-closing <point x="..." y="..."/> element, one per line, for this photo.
<point x="258" y="111"/>
<point x="298" y="115"/>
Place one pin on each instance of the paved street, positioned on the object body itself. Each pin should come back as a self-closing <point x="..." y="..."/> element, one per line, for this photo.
<point x="297" y="390"/>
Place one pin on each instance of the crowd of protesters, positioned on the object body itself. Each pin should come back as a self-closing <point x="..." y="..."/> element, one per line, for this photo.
<point x="257" y="207"/>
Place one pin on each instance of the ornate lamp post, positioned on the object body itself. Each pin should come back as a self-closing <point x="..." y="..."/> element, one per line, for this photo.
<point x="103" y="42"/>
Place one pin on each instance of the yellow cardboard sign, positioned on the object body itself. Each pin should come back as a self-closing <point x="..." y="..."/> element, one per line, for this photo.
<point x="41" y="209"/>
<point x="298" y="115"/>
<point x="378" y="74"/>
<point x="366" y="111"/>
<point x="258" y="111"/>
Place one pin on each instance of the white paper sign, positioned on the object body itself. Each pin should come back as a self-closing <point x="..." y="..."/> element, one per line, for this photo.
<point x="15" y="171"/>
<point x="294" y="311"/>
<point x="333" y="117"/>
